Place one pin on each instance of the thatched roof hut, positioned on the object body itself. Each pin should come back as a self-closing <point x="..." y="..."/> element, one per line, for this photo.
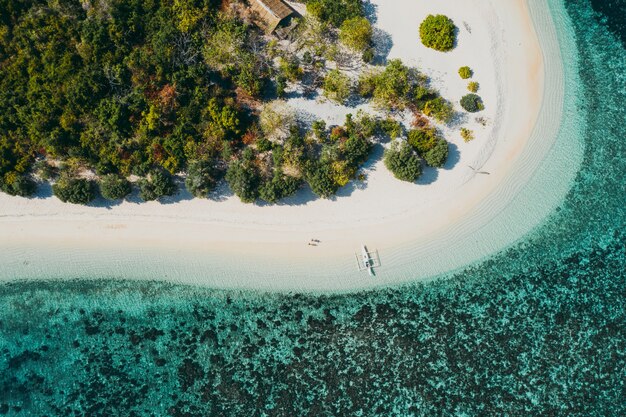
<point x="269" y="14"/>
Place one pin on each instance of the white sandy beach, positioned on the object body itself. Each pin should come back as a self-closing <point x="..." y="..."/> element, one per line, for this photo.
<point x="230" y="244"/>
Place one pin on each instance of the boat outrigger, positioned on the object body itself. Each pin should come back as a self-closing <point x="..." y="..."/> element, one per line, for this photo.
<point x="368" y="260"/>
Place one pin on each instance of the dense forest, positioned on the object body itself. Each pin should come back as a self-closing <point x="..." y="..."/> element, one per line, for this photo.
<point x="101" y="95"/>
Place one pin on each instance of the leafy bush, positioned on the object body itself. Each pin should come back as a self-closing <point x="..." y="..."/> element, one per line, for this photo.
<point x="465" y="72"/>
<point x="201" y="178"/>
<point x="320" y="179"/>
<point x="439" y="109"/>
<point x="391" y="127"/>
<point x="402" y="161"/>
<point x="429" y="144"/>
<point x="390" y="88"/>
<point x="356" y="33"/>
<point x="438" y="154"/>
<point x="74" y="190"/>
<point x="114" y="187"/>
<point x="337" y="86"/>
<point x="159" y="183"/>
<point x="18" y="185"/>
<point x="244" y="179"/>
<point x="335" y="12"/>
<point x="472" y="103"/>
<point x="422" y="140"/>
<point x="438" y="32"/>
<point x="467" y="135"/>
<point x="473" y="86"/>
<point x="279" y="187"/>
<point x="356" y="150"/>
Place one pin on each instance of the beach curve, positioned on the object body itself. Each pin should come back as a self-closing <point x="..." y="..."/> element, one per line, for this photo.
<point x="231" y="245"/>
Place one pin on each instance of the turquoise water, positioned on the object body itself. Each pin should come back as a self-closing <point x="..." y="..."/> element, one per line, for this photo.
<point x="539" y="329"/>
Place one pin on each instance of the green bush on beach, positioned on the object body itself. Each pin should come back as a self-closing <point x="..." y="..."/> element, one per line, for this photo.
<point x="18" y="185"/>
<point x="472" y="103"/>
<point x="74" y="190"/>
<point x="403" y="162"/>
<point x="159" y="183"/>
<point x="337" y="86"/>
<point x="465" y="72"/>
<point x="356" y="33"/>
<point x="114" y="187"/>
<point x="438" y="32"/>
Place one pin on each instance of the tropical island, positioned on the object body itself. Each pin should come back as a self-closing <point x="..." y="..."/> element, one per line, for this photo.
<point x="368" y="110"/>
<point x="107" y="96"/>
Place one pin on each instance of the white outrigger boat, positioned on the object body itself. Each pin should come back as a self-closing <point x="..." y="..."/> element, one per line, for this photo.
<point x="368" y="260"/>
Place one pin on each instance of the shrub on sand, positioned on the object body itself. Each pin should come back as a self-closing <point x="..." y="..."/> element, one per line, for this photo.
<point x="438" y="32"/>
<point x="465" y="72"/>
<point x="403" y="162"/>
<point x="472" y="103"/>
<point x="473" y="86"/>
<point x="356" y="33"/>
<point x="467" y="135"/>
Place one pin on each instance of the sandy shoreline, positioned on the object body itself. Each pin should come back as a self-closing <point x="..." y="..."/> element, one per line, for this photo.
<point x="204" y="242"/>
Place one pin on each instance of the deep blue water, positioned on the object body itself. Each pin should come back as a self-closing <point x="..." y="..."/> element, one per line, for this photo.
<point x="538" y="330"/>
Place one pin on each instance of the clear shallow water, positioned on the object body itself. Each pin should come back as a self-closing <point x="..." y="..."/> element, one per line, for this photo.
<point x="539" y="329"/>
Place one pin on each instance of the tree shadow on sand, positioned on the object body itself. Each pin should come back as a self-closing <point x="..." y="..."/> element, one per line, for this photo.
<point x="382" y="43"/>
<point x="454" y="156"/>
<point x="429" y="176"/>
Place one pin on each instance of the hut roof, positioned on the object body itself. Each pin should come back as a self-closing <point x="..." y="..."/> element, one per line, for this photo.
<point x="270" y="13"/>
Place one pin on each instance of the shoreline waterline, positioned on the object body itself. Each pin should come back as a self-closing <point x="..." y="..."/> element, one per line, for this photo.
<point x="481" y="219"/>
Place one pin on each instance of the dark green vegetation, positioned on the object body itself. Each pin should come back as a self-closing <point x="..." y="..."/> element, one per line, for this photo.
<point x="335" y="12"/>
<point x="201" y="178"/>
<point x="429" y="144"/>
<point x="438" y="32"/>
<point x="74" y="190"/>
<point x="159" y="183"/>
<point x="472" y="103"/>
<point x="161" y="90"/>
<point x="114" y="187"/>
<point x="403" y="162"/>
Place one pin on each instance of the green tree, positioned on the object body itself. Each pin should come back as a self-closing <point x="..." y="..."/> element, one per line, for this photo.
<point x="244" y="179"/>
<point x="159" y="183"/>
<point x="438" y="32"/>
<point x="390" y="88"/>
<point x="201" y="178"/>
<point x="114" y="187"/>
<point x="438" y="154"/>
<point x="440" y="109"/>
<point x="337" y="86"/>
<point x="74" y="190"/>
<point x="472" y="103"/>
<point x="403" y="162"/>
<point x="335" y="12"/>
<point x="356" y="33"/>
<point x="279" y="187"/>
<point x="18" y="184"/>
<point x="422" y="140"/>
<point x="320" y="179"/>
